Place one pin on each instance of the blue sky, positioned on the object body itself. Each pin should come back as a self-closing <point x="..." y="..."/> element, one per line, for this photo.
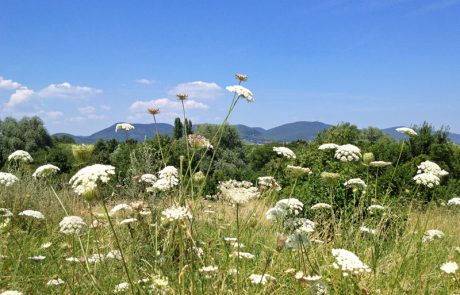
<point x="83" y="65"/>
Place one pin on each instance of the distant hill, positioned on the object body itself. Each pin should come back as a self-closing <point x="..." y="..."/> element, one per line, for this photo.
<point x="302" y="130"/>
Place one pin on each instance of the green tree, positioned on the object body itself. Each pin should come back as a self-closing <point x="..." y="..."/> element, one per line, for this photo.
<point x="188" y="126"/>
<point x="178" y="129"/>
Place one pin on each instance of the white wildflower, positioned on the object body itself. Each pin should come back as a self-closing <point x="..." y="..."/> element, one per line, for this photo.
<point x="128" y="220"/>
<point x="33" y="214"/>
<point x="368" y="230"/>
<point x="328" y="146"/>
<point x="449" y="267"/>
<point x="375" y="208"/>
<point x="5" y="212"/>
<point x="198" y="141"/>
<point x="431" y="167"/>
<point x="124" y="126"/>
<point x="427" y="179"/>
<point x="176" y="213"/>
<point x="72" y="259"/>
<point x="207" y="269"/>
<point x="241" y="92"/>
<point x="244" y="255"/>
<point x="11" y="292"/>
<point x="72" y="225"/>
<point x="298" y="169"/>
<point x="321" y="206"/>
<point x="122" y="287"/>
<point x="284" y="208"/>
<point x="37" y="258"/>
<point x="7" y="179"/>
<point x="432" y="234"/>
<point x="452" y="202"/>
<point x="268" y="182"/>
<point x="87" y="178"/>
<point x="45" y="171"/>
<point x="406" y="131"/>
<point x="261" y="279"/>
<point x="148" y="178"/>
<point x="355" y="183"/>
<point x="46" y="245"/>
<point x="347" y="153"/>
<point x="379" y="164"/>
<point x="96" y="258"/>
<point x="20" y="155"/>
<point x="55" y="282"/>
<point x="348" y="262"/>
<point x="120" y="207"/>
<point x="284" y="152"/>
<point x="114" y="254"/>
<point x="238" y="192"/>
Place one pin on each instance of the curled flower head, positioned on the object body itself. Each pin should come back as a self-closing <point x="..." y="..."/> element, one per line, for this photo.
<point x="153" y="111"/>
<point x="198" y="141"/>
<point x="347" y="153"/>
<point x="328" y="146"/>
<point x="21" y="156"/>
<point x="72" y="225"/>
<point x="368" y="158"/>
<point x="124" y="126"/>
<point x="182" y="96"/>
<point x="45" y="171"/>
<point x="241" y="92"/>
<point x="7" y="179"/>
<point x="284" y="152"/>
<point x="85" y="181"/>
<point x="241" y="77"/>
<point x="406" y="131"/>
<point x="32" y="213"/>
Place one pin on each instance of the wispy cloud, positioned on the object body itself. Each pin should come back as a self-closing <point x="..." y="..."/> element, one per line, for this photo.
<point x="144" y="81"/>
<point x="198" y="89"/>
<point x="67" y="90"/>
<point x="20" y="96"/>
<point x="87" y="110"/>
<point x="8" y="84"/>
<point x="166" y="103"/>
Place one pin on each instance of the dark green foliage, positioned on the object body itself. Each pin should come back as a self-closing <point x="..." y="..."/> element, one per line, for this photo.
<point x="188" y="128"/>
<point x="63" y="139"/>
<point x="178" y="129"/>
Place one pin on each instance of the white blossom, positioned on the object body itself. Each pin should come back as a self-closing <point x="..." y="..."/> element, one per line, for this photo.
<point x="348" y="262"/>
<point x="406" y="131"/>
<point x="261" y="279"/>
<point x="328" y="146"/>
<point x="238" y="192"/>
<point x="454" y="202"/>
<point x="72" y="225"/>
<point x="432" y="234"/>
<point x="431" y="167"/>
<point x="241" y="92"/>
<point x="355" y="183"/>
<point x="347" y="153"/>
<point x="284" y="152"/>
<point x="449" y="267"/>
<point x="7" y="179"/>
<point x="124" y="126"/>
<point x="21" y="155"/>
<point x="427" y="179"/>
<point x="176" y="213"/>
<point x="33" y="214"/>
<point x="87" y="178"/>
<point x="45" y="171"/>
<point x="321" y="206"/>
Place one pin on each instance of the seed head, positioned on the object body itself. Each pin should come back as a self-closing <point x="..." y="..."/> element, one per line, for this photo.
<point x="153" y="111"/>
<point x="241" y="77"/>
<point x="182" y="96"/>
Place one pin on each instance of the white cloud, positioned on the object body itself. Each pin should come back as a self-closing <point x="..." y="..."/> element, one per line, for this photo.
<point x="87" y="110"/>
<point x="21" y="95"/>
<point x="54" y="114"/>
<point x="8" y="84"/>
<point x="145" y="81"/>
<point x="106" y="107"/>
<point x="166" y="104"/>
<point x="66" y="90"/>
<point x="198" y="89"/>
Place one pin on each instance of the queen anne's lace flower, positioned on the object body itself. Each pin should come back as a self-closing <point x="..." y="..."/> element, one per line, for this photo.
<point x="55" y="282"/>
<point x="375" y="208"/>
<point x="449" y="267"/>
<point x="7" y="179"/>
<point x="431" y="167"/>
<point x="5" y="212"/>
<point x="11" y="292"/>
<point x="298" y="169"/>
<point x="347" y="153"/>
<point x="452" y="202"/>
<point x="128" y="220"/>
<point x="72" y="225"/>
<point x="148" y="178"/>
<point x="355" y="183"/>
<point x="284" y="152"/>
<point x="261" y="279"/>
<point x="122" y="287"/>
<point x="168" y="171"/>
<point x="86" y="179"/>
<point x="238" y="192"/>
<point x="124" y="126"/>
<point x="33" y="214"/>
<point x="268" y="182"/>
<point x="321" y="206"/>
<point x="114" y="254"/>
<point x="244" y="255"/>
<point x="432" y="234"/>
<point x="20" y="155"/>
<point x="176" y="213"/>
<point x="348" y="262"/>
<point x="379" y="164"/>
<point x="241" y="92"/>
<point x="45" y="171"/>
<point x="328" y="146"/>
<point x="198" y="141"/>
<point x="368" y="230"/>
<point x="120" y="207"/>
<point x="427" y="179"/>
<point x="407" y="131"/>
<point x="284" y="208"/>
<point x="207" y="269"/>
<point x="168" y="179"/>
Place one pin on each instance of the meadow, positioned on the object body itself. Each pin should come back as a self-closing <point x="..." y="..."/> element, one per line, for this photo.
<point x="352" y="212"/>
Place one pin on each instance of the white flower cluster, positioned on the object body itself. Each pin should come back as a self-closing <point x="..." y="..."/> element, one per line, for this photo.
<point x="355" y="183"/>
<point x="284" y="208"/>
<point x="261" y="279"/>
<point x="20" y="155"/>
<point x="5" y="212"/>
<point x="406" y="131"/>
<point x="238" y="192"/>
<point x="176" y="213"/>
<point x="298" y="169"/>
<point x="284" y="152"/>
<point x="321" y="206"/>
<point x="72" y="225"/>
<point x="45" y="171"/>
<point x="244" y="255"/>
<point x="375" y="208"/>
<point x="55" y="282"/>
<point x="122" y="287"/>
<point x="168" y="179"/>
<point x="347" y="153"/>
<point x="431" y="167"/>
<point x="86" y="179"/>
<point x="454" y="202"/>
<point x="32" y="213"/>
<point x="368" y="230"/>
<point x="11" y="292"/>
<point x="148" y="178"/>
<point x="432" y="234"/>
<point x="124" y="126"/>
<point x="328" y="146"/>
<point x="348" y="262"/>
<point x="379" y="164"/>
<point x="7" y="179"/>
<point x="241" y="92"/>
<point x="198" y="141"/>
<point x="449" y="267"/>
<point x="427" y="179"/>
<point x="302" y="225"/>
<point x="268" y="182"/>
<point x="120" y="207"/>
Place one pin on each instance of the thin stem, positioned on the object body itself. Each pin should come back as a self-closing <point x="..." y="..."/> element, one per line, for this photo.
<point x="159" y="140"/>
<point x="238" y="249"/>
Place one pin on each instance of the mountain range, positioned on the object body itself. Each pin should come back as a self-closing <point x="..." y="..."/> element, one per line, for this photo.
<point x="302" y="130"/>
